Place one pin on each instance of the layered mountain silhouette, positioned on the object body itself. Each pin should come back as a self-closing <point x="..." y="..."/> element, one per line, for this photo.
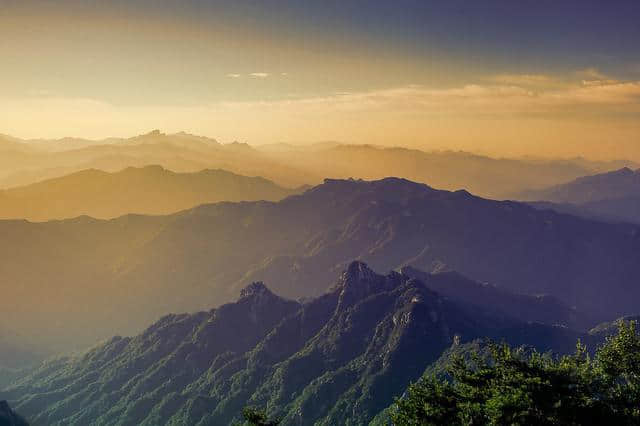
<point x="146" y="190"/>
<point x="345" y="354"/>
<point x="26" y="162"/>
<point x="489" y="177"/>
<point x="612" y="196"/>
<point x="147" y="266"/>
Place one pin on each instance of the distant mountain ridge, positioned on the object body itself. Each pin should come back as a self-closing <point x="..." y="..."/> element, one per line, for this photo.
<point x="612" y="196"/>
<point x="342" y="355"/>
<point x="616" y="184"/>
<point x="27" y="162"/>
<point x="149" y="265"/>
<point x="147" y="190"/>
<point x="452" y="170"/>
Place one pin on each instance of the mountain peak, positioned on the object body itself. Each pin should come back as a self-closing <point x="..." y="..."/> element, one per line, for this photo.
<point x="154" y="133"/>
<point x="358" y="281"/>
<point x="625" y="171"/>
<point x="388" y="188"/>
<point x="256" y="289"/>
<point x="358" y="271"/>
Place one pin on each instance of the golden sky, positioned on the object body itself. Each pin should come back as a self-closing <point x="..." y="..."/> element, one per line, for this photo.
<point x="497" y="79"/>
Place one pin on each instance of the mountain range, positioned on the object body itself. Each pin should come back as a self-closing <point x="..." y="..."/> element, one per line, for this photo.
<point x="452" y="170"/>
<point x="148" y="266"/>
<point x="26" y="162"/>
<point x="611" y="196"/>
<point x="148" y="190"/>
<point x="343" y="355"/>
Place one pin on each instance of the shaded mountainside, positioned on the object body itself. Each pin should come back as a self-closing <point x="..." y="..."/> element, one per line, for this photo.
<point x="147" y="190"/>
<point x="8" y="417"/>
<point x="527" y="308"/>
<point x="147" y="266"/>
<point x="625" y="209"/>
<point x="343" y="355"/>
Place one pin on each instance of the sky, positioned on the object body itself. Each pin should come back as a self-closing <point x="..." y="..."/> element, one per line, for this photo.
<point x="549" y="78"/>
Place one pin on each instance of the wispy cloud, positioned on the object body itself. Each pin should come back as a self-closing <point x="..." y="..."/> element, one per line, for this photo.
<point x="591" y="74"/>
<point x="593" y="77"/>
<point x="605" y="96"/>
<point x="525" y="79"/>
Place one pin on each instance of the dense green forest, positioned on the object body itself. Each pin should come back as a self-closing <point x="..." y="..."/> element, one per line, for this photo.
<point x="512" y="386"/>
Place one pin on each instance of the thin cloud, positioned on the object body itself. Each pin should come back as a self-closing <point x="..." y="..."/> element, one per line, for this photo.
<point x="524" y="79"/>
<point x="472" y="99"/>
<point x="599" y="82"/>
<point x="591" y="74"/>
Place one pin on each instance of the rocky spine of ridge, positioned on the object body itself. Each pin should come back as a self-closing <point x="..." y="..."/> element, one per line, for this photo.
<point x="527" y="308"/>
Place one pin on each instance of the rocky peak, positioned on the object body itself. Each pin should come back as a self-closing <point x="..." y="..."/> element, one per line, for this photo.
<point x="359" y="282"/>
<point x="358" y="271"/>
<point x="255" y="289"/>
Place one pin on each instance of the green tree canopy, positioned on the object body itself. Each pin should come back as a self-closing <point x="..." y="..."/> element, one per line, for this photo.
<point x="507" y="386"/>
<point x="257" y="417"/>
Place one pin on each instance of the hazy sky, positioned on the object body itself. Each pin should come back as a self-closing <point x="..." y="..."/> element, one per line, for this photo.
<point x="503" y="77"/>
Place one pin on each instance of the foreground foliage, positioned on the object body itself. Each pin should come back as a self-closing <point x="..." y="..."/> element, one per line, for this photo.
<point x="520" y="387"/>
<point x="257" y="417"/>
